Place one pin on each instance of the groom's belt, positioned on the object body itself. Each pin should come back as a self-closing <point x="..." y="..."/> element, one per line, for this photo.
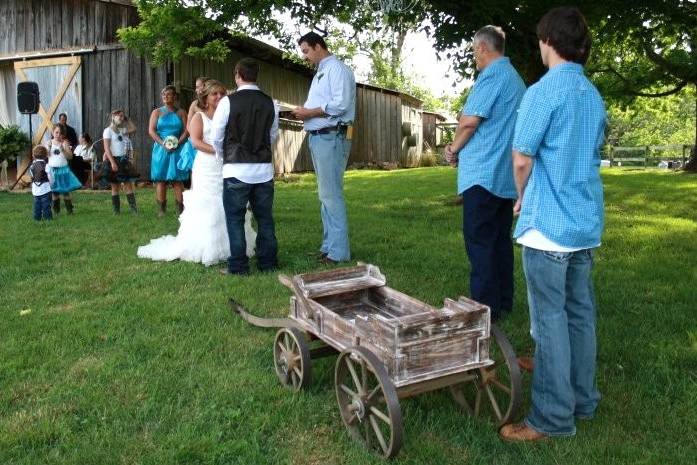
<point x="340" y="128"/>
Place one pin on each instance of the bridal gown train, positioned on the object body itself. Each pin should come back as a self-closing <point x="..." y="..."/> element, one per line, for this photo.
<point x="202" y="235"/>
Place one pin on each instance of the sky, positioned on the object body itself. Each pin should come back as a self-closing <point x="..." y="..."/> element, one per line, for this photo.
<point x="419" y="60"/>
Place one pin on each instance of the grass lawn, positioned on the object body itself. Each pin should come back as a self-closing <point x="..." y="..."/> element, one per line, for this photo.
<point x="109" y="359"/>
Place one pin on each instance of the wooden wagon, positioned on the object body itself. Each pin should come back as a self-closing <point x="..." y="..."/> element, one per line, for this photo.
<point x="391" y="346"/>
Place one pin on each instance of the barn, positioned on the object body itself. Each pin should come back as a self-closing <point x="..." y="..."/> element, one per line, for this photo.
<point x="69" y="48"/>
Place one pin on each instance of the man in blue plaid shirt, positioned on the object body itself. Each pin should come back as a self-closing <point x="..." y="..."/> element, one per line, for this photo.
<point x="482" y="150"/>
<point x="556" y="158"/>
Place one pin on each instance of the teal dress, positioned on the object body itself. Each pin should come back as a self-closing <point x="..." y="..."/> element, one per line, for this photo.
<point x="163" y="166"/>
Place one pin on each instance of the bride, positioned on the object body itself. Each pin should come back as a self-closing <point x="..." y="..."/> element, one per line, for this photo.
<point x="202" y="235"/>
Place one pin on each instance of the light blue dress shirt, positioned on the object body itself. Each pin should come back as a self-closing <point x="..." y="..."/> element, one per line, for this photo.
<point x="485" y="160"/>
<point x="333" y="89"/>
<point x="561" y="125"/>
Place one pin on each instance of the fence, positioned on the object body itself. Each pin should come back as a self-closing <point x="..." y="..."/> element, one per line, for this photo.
<point x="675" y="156"/>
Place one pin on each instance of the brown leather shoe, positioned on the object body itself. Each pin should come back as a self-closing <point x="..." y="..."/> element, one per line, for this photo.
<point x="327" y="261"/>
<point x="526" y="364"/>
<point x="520" y="432"/>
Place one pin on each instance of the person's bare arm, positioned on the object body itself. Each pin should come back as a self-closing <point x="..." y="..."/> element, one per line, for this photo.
<point x="152" y="127"/>
<point x="185" y="133"/>
<point x="522" y="166"/>
<point x="196" y="127"/>
<point x="466" y="126"/>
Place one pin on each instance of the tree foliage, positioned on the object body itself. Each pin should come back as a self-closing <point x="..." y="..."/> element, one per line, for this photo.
<point x="13" y="142"/>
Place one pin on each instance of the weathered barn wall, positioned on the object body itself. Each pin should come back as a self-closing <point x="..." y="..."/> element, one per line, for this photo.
<point x="40" y="25"/>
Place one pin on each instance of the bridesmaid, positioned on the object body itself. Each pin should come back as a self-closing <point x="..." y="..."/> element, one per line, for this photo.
<point x="168" y="120"/>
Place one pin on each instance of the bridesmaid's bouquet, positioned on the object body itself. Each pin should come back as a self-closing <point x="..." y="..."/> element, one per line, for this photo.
<point x="170" y="142"/>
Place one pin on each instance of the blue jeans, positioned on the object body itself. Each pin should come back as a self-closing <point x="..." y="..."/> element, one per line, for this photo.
<point x="236" y="194"/>
<point x="562" y="320"/>
<point x="42" y="207"/>
<point x="329" y="156"/>
<point x="486" y="227"/>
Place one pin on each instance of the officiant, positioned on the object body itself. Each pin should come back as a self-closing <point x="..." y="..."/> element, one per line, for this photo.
<point x="328" y="115"/>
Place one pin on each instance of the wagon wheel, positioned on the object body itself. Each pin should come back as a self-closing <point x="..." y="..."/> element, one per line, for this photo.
<point x="495" y="390"/>
<point x="291" y="357"/>
<point x="368" y="401"/>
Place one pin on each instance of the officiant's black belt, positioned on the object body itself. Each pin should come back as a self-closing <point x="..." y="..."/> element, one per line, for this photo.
<point x="341" y="129"/>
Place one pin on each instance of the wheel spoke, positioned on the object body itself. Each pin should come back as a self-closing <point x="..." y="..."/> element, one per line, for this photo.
<point x="347" y="390"/>
<point x="501" y="386"/>
<point x="494" y="403"/>
<point x="367" y="435"/>
<point x="375" y="390"/>
<point x="364" y="374"/>
<point x="352" y="418"/>
<point x="282" y="347"/>
<point x="286" y="340"/>
<point x="294" y="379"/>
<point x="477" y="401"/>
<point x="354" y="375"/>
<point x="378" y="434"/>
<point x="298" y="372"/>
<point x="375" y="411"/>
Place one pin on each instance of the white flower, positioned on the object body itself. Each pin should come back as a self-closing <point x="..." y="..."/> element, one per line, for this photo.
<point x="170" y="142"/>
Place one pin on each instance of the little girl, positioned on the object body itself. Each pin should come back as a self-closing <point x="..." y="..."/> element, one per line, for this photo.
<point x="82" y="157"/>
<point x="63" y="180"/>
<point x="118" y="151"/>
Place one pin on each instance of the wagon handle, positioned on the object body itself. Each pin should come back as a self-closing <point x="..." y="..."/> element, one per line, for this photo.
<point x="285" y="280"/>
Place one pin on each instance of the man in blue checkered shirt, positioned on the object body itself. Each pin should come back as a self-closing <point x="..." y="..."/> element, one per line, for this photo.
<point x="482" y="150"/>
<point x="556" y="159"/>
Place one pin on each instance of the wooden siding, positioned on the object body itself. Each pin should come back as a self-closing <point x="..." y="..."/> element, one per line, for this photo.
<point x="431" y="135"/>
<point x="119" y="79"/>
<point x="42" y="25"/>
<point x="377" y="135"/>
<point x="411" y="154"/>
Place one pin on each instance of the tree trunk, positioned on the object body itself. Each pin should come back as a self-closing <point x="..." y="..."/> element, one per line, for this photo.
<point x="691" y="164"/>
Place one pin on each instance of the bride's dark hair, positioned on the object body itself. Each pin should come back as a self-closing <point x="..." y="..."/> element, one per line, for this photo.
<point x="209" y="87"/>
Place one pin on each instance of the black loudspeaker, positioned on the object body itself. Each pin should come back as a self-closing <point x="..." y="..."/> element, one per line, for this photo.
<point x="28" y="98"/>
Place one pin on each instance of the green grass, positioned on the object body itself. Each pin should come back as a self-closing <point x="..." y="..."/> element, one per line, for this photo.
<point x="127" y="361"/>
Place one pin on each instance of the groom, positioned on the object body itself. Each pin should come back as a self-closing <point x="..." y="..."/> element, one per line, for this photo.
<point x="245" y="126"/>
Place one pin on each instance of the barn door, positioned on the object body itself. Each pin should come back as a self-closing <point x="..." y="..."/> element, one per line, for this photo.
<point x="60" y="88"/>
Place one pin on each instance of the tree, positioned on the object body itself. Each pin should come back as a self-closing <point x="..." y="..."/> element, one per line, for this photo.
<point x="640" y="48"/>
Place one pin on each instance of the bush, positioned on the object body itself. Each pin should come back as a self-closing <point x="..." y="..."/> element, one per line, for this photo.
<point x="13" y="142"/>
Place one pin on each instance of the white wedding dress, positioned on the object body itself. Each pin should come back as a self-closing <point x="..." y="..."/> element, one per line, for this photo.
<point x="202" y="235"/>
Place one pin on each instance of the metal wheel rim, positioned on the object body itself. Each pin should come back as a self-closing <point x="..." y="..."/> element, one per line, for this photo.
<point x="488" y="393"/>
<point x="368" y="401"/>
<point x="291" y="358"/>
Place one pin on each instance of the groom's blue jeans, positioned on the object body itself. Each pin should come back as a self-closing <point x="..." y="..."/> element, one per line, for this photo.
<point x="562" y="320"/>
<point x="236" y="194"/>
<point x="329" y="156"/>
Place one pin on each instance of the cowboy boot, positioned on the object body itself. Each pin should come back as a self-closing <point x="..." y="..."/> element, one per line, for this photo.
<point x="116" y="203"/>
<point x="69" y="205"/>
<point x="180" y="207"/>
<point x="56" y="206"/>
<point x="132" y="202"/>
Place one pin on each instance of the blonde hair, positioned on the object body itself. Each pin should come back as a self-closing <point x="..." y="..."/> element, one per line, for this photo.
<point x="209" y="87"/>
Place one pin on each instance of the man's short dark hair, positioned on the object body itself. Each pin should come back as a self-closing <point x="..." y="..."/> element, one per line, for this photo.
<point x="248" y="69"/>
<point x="565" y="29"/>
<point x="312" y="39"/>
<point x="62" y="115"/>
